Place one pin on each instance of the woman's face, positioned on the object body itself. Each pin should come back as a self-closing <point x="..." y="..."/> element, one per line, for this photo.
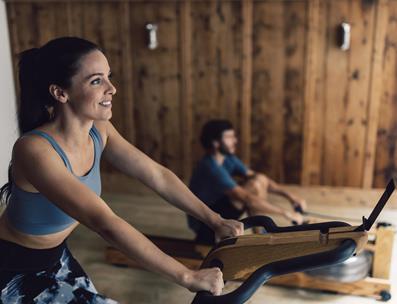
<point x="90" y="94"/>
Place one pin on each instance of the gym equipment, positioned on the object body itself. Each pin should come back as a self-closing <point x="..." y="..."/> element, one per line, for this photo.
<point x="352" y="270"/>
<point x="320" y="215"/>
<point x="282" y="250"/>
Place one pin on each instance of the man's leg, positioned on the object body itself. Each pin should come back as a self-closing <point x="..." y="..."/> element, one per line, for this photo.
<point x="275" y="188"/>
<point x="257" y="185"/>
<point x="260" y="185"/>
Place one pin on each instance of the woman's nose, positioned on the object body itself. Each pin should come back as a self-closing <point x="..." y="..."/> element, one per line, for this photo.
<point x="112" y="88"/>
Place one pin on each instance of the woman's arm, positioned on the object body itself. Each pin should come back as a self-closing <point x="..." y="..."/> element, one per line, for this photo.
<point x="43" y="168"/>
<point x="134" y="163"/>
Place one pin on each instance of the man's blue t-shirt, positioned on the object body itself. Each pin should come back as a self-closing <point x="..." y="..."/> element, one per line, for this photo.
<point x="210" y="180"/>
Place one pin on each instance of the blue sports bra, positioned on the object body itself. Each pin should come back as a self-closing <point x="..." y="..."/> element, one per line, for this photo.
<point x="33" y="213"/>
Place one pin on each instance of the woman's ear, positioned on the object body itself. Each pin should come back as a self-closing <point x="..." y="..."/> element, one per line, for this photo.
<point x="58" y="93"/>
<point x="215" y="144"/>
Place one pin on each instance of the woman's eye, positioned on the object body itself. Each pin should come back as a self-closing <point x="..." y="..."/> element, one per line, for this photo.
<point x="96" y="81"/>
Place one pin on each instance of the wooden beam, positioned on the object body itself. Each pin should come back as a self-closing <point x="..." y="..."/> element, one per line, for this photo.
<point x="311" y="156"/>
<point x="246" y="91"/>
<point x="127" y="70"/>
<point x="186" y="115"/>
<point x="370" y="287"/>
<point x="375" y="91"/>
<point x="383" y="252"/>
<point x="13" y="34"/>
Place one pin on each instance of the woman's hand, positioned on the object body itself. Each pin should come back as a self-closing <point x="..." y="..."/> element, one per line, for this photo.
<point x="228" y="228"/>
<point x="208" y="279"/>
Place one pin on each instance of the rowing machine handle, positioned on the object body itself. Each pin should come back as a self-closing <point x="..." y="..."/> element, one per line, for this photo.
<point x="270" y="226"/>
<point x="298" y="209"/>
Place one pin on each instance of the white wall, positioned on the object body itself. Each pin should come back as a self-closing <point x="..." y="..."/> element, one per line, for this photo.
<point x="8" y="122"/>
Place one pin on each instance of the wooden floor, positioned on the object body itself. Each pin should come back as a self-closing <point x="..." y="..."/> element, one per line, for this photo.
<point x="151" y="215"/>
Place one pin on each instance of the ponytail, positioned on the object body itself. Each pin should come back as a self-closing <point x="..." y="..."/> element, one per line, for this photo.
<point x="5" y="191"/>
<point x="33" y="101"/>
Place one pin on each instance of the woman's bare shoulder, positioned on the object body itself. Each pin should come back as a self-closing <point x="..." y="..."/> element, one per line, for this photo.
<point x="30" y="144"/>
<point x="28" y="148"/>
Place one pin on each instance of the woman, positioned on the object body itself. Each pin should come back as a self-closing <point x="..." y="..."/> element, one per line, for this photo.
<point x="54" y="182"/>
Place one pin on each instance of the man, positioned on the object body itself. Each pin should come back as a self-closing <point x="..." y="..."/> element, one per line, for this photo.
<point x="213" y="181"/>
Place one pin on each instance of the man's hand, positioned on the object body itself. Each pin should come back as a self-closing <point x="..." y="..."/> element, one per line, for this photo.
<point x="228" y="228"/>
<point x="294" y="217"/>
<point x="298" y="202"/>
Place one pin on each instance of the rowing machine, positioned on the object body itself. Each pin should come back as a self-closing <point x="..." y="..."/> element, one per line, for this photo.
<point x="282" y="250"/>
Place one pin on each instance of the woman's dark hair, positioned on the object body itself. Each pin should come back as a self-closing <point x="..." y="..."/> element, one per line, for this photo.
<point x="213" y="130"/>
<point x="56" y="62"/>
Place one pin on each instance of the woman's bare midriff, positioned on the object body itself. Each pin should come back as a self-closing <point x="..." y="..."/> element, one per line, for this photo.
<point x="9" y="233"/>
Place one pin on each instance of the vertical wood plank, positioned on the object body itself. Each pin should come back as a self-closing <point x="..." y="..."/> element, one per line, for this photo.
<point x="246" y="91"/>
<point x="26" y="37"/>
<point x="186" y="86"/>
<point x="268" y="89"/>
<point x="311" y="157"/>
<point x="383" y="252"/>
<point x="319" y="106"/>
<point x="216" y="65"/>
<point x="228" y="34"/>
<point x="336" y="95"/>
<point x="157" y="83"/>
<point x="127" y="72"/>
<point x="347" y="94"/>
<point x="386" y="144"/>
<point x="51" y="21"/>
<point x="76" y="19"/>
<point x="204" y="73"/>
<point x="363" y="23"/>
<point x="294" y="37"/>
<point x="278" y="87"/>
<point x="13" y="34"/>
<point x="375" y="91"/>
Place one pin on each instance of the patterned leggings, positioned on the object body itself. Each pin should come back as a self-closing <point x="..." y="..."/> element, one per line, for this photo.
<point x="64" y="281"/>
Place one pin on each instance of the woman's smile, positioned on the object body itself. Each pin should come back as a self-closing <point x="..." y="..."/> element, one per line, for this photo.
<point x="106" y="104"/>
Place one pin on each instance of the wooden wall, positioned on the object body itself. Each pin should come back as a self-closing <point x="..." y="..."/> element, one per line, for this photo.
<point x="306" y="112"/>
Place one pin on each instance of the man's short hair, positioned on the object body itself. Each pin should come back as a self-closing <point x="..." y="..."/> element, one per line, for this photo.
<point x="213" y="130"/>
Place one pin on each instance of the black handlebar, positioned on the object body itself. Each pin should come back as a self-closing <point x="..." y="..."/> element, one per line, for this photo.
<point x="270" y="226"/>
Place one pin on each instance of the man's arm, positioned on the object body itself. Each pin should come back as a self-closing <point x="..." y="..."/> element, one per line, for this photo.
<point x="277" y="189"/>
<point x="274" y="188"/>
<point x="259" y="206"/>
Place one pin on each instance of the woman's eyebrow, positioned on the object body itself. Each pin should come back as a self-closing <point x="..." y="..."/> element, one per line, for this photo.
<point x="92" y="75"/>
<point x="96" y="74"/>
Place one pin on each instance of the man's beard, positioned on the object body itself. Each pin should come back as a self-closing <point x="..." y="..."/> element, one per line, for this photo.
<point x="224" y="149"/>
